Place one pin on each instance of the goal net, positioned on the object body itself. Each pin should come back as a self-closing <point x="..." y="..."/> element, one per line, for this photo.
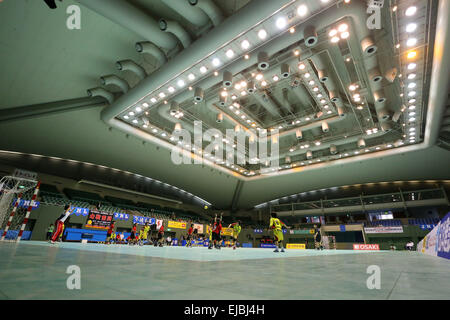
<point x="329" y="242"/>
<point x="15" y="197"/>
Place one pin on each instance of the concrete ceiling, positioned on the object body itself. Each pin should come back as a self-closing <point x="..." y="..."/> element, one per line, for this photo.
<point x="43" y="61"/>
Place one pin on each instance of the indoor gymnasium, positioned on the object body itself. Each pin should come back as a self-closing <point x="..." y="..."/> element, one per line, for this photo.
<point x="224" y="150"/>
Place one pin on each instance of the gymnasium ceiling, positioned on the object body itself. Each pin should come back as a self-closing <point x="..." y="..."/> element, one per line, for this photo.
<point x="43" y="61"/>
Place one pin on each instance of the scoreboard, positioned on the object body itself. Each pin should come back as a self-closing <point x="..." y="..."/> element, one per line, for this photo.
<point x="99" y="220"/>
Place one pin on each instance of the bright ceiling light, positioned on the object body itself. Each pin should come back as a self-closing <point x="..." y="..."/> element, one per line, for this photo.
<point x="411" y="11"/>
<point x="275" y="78"/>
<point x="411" y="76"/>
<point x="412" y="114"/>
<point x="343" y="27"/>
<point x="243" y="84"/>
<point x="412" y="85"/>
<point x="181" y="83"/>
<point x="301" y="66"/>
<point x="412" y="66"/>
<point x="412" y="107"/>
<point x="245" y="44"/>
<point x="237" y="86"/>
<point x="263" y="83"/>
<point x="135" y="121"/>
<point x="412" y="54"/>
<point x="262" y="34"/>
<point x="335" y="39"/>
<point x="162" y="94"/>
<point x="411" y="27"/>
<point x="230" y="53"/>
<point x="292" y="30"/>
<point x="216" y="62"/>
<point x="307" y="75"/>
<point x="352" y="87"/>
<point x="332" y="33"/>
<point x="281" y="23"/>
<point x="412" y="94"/>
<point x="153" y="100"/>
<point x="203" y="69"/>
<point x="126" y="117"/>
<point x="302" y="10"/>
<point x="412" y="129"/>
<point x="345" y="35"/>
<point x="259" y="76"/>
<point x="171" y="89"/>
<point x="411" y="42"/>
<point x="191" y="77"/>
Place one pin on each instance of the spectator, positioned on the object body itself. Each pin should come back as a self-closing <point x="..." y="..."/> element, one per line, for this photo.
<point x="410" y="246"/>
<point x="169" y="241"/>
<point x="50" y="230"/>
<point x="393" y="248"/>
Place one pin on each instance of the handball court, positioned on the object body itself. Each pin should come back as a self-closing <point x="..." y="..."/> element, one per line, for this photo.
<point x="37" y="270"/>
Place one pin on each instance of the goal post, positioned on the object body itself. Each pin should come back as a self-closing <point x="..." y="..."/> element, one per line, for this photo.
<point x="17" y="197"/>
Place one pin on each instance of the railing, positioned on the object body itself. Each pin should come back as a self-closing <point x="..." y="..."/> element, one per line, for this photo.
<point x="363" y="203"/>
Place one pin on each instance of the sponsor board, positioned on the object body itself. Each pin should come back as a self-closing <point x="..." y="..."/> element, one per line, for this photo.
<point x="227" y="231"/>
<point x="443" y="238"/>
<point x="372" y="247"/>
<point x="384" y="230"/>
<point x="296" y="246"/>
<point x="176" y="225"/>
<point x="199" y="228"/>
<point x="19" y="173"/>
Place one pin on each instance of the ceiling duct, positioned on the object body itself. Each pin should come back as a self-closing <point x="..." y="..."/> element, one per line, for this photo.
<point x="333" y="149"/>
<point x="222" y="100"/>
<point x="177" y="30"/>
<point x="309" y="155"/>
<point x="132" y="66"/>
<point x="263" y="60"/>
<point x="132" y="18"/>
<point x="384" y="113"/>
<point x="227" y="79"/>
<point x="219" y="118"/>
<point x="361" y="143"/>
<point x="193" y="14"/>
<point x="251" y="87"/>
<point x="153" y="50"/>
<point x="323" y="76"/>
<point x="299" y="134"/>
<point x="100" y="92"/>
<point x="387" y="126"/>
<point x="368" y="46"/>
<point x="325" y="127"/>
<point x="375" y="75"/>
<point x="210" y="9"/>
<point x="310" y="35"/>
<point x="285" y="70"/>
<point x="173" y="108"/>
<point x="198" y="95"/>
<point x="115" y="80"/>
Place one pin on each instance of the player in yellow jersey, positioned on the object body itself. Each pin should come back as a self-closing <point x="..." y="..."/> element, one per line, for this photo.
<point x="277" y="226"/>
<point x="143" y="234"/>
<point x="236" y="230"/>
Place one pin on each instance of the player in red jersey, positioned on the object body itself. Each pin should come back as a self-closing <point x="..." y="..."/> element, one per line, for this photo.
<point x="160" y="240"/>
<point x="133" y="235"/>
<point x="216" y="230"/>
<point x="189" y="236"/>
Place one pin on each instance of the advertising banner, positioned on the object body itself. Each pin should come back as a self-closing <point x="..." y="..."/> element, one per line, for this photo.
<point x="296" y="246"/>
<point x="199" y="228"/>
<point x="443" y="238"/>
<point x="384" y="230"/>
<point x="81" y="211"/>
<point x="159" y="224"/>
<point x="372" y="247"/>
<point x="302" y="231"/>
<point x="272" y="246"/>
<point x="143" y="220"/>
<point x="121" y="216"/>
<point x="227" y="231"/>
<point x="99" y="220"/>
<point x="26" y="204"/>
<point x="258" y="231"/>
<point x="176" y="225"/>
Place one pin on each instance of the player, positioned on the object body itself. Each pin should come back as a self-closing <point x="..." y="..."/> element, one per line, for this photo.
<point x="277" y="226"/>
<point x="160" y="240"/>
<point x="133" y="235"/>
<point x="216" y="230"/>
<point x="317" y="238"/>
<point x="109" y="233"/>
<point x="236" y="230"/>
<point x="144" y="233"/>
<point x="59" y="223"/>
<point x="189" y="236"/>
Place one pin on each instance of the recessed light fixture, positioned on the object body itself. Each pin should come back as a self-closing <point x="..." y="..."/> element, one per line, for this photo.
<point x="180" y="83"/>
<point x="411" y="11"/>
<point x="245" y="44"/>
<point x="216" y="62"/>
<point x="411" y="27"/>
<point x="411" y="42"/>
<point x="262" y="34"/>
<point x="302" y="10"/>
<point x="281" y="23"/>
<point x="412" y="66"/>
<point x="230" y="53"/>
<point x="171" y="89"/>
